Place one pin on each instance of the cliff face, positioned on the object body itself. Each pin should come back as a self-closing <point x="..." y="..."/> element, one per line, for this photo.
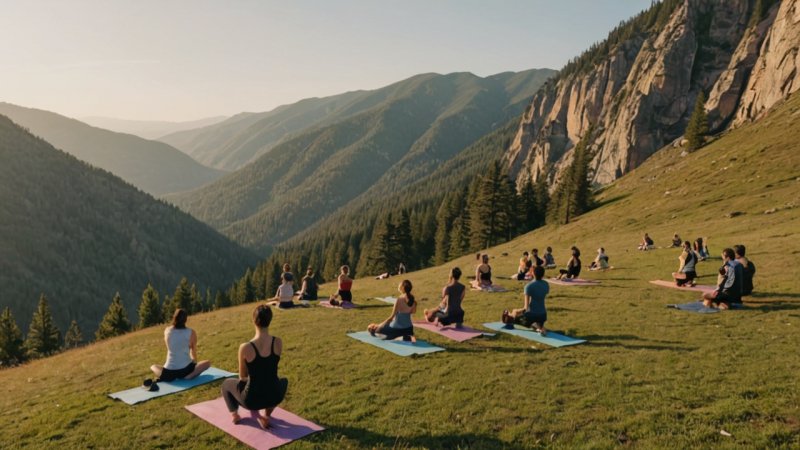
<point x="640" y="94"/>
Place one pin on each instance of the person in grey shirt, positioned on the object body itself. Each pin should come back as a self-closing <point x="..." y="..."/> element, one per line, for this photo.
<point x="729" y="289"/>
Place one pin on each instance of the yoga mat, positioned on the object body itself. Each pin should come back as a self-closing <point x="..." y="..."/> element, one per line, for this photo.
<point x="450" y="331"/>
<point x="552" y="339"/>
<point x="573" y="282"/>
<point x="698" y="307"/>
<point x="671" y="284"/>
<point x="139" y="394"/>
<point x="327" y="304"/>
<point x="389" y="300"/>
<point x="285" y="427"/>
<point x="492" y="288"/>
<point x="400" y="348"/>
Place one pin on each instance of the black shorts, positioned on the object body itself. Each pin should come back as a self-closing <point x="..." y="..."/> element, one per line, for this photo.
<point x="309" y="296"/>
<point x="176" y="374"/>
<point x="725" y="297"/>
<point x="527" y="320"/>
<point x="346" y="296"/>
<point x="521" y="276"/>
<point x="447" y="319"/>
<point x="394" y="333"/>
<point x="286" y="305"/>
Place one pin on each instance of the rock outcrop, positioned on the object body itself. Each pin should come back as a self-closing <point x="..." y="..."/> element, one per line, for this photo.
<point x="639" y="95"/>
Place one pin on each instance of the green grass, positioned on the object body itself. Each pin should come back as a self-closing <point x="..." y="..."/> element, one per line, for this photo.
<point x="655" y="377"/>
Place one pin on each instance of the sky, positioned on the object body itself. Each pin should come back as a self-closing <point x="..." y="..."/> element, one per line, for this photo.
<point x="189" y="59"/>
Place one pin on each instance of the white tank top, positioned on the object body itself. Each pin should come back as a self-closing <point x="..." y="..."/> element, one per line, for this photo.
<point x="177" y="347"/>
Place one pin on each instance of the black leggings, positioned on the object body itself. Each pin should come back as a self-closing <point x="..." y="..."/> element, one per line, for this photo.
<point x="346" y="296"/>
<point x="390" y="333"/>
<point x="233" y="393"/>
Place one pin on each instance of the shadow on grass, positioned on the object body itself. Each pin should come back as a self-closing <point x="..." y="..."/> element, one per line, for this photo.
<point x="368" y="438"/>
<point x="485" y="349"/>
<point x="773" y="295"/>
<point x="598" y="340"/>
<point x="772" y="306"/>
<point x="611" y="200"/>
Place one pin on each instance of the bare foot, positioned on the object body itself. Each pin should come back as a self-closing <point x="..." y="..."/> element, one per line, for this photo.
<point x="236" y="418"/>
<point x="263" y="421"/>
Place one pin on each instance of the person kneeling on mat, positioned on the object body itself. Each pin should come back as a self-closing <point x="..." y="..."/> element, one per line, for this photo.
<point x="398" y="324"/>
<point x="449" y="310"/>
<point x="686" y="273"/>
<point x="258" y="386"/>
<point x="533" y="314"/>
<point x="181" y="353"/>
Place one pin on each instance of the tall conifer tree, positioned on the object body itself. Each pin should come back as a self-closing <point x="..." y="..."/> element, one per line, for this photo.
<point x="74" y="337"/>
<point x="43" y="335"/>
<point x="12" y="347"/>
<point x="115" y="322"/>
<point x="150" y="308"/>
<point x="697" y="128"/>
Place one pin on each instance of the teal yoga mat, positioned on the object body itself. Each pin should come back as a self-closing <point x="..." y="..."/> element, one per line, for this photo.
<point x="698" y="307"/>
<point x="400" y="348"/>
<point x="139" y="394"/>
<point x="552" y="339"/>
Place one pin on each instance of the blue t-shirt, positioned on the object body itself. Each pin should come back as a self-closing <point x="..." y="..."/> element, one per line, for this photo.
<point x="537" y="290"/>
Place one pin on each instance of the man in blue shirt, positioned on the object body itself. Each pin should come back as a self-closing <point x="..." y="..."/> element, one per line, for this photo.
<point x="533" y="314"/>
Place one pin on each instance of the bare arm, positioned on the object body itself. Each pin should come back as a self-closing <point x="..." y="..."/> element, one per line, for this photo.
<point x="243" y="362"/>
<point x="193" y="346"/>
<point x="278" y="345"/>
<point x="394" y="313"/>
<point x="526" y="303"/>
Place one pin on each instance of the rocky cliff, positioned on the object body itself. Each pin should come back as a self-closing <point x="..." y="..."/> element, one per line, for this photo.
<point x="638" y="88"/>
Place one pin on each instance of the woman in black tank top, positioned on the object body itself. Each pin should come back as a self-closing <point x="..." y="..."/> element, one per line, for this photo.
<point x="258" y="386"/>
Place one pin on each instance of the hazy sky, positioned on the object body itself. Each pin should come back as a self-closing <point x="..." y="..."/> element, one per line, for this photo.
<point x="182" y="60"/>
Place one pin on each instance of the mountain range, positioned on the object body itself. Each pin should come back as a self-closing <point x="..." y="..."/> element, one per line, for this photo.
<point x="79" y="234"/>
<point x="154" y="167"/>
<point x="148" y="129"/>
<point x="379" y="142"/>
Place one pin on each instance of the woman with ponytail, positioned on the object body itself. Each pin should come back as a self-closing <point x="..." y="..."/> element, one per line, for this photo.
<point x="398" y="324"/>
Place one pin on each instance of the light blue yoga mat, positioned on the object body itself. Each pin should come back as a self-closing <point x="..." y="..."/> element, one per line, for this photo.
<point x="552" y="339"/>
<point x="401" y="348"/>
<point x="139" y="394"/>
<point x="698" y="307"/>
<point x="389" y="300"/>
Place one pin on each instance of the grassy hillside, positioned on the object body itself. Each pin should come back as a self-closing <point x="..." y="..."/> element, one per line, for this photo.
<point x="423" y="122"/>
<point x="649" y="377"/>
<point x="152" y="166"/>
<point x="79" y="234"/>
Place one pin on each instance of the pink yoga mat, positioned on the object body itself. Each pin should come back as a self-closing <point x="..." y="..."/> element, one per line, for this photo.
<point x="450" y="331"/>
<point x="671" y="284"/>
<point x="327" y="304"/>
<point x="285" y="427"/>
<point x="574" y="282"/>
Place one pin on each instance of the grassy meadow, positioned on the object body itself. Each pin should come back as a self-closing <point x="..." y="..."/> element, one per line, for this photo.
<point x="648" y="377"/>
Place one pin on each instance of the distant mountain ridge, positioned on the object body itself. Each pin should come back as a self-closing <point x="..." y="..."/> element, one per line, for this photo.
<point x="148" y="129"/>
<point x="152" y="166"/>
<point x="406" y="131"/>
<point x="79" y="234"/>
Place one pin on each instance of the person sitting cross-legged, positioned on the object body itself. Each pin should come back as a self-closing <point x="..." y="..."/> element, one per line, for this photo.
<point x="449" y="310"/>
<point x="398" y="324"/>
<point x="533" y="314"/>
<point x="729" y="288"/>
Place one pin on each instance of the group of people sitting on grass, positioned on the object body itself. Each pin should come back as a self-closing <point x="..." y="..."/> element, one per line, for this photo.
<point x="258" y="386"/>
<point x="700" y="245"/>
<point x="530" y="261"/>
<point x="734" y="279"/>
<point x="309" y="289"/>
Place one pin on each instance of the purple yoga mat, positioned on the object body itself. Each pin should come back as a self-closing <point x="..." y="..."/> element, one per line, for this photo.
<point x="573" y="282"/>
<point x="450" y="331"/>
<point x="285" y="427"/>
<point x="345" y="305"/>
<point x="671" y="284"/>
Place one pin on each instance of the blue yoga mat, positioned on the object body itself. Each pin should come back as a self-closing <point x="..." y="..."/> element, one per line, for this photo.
<point x="552" y="339"/>
<point x="400" y="348"/>
<point x="698" y="307"/>
<point x="139" y="394"/>
<point x="389" y="300"/>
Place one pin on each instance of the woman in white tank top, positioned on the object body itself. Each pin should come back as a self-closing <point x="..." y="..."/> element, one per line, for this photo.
<point x="181" y="351"/>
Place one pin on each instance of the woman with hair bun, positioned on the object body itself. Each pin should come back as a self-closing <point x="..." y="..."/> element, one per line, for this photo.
<point x="258" y="386"/>
<point x="398" y="324"/>
<point x="181" y="352"/>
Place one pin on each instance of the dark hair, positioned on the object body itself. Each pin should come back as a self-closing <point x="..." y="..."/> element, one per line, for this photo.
<point x="179" y="318"/>
<point x="550" y="249"/>
<point x="525" y="253"/>
<point x="455" y="272"/>
<point x="485" y="257"/>
<point x="287" y="267"/>
<point x="575" y="252"/>
<point x="345" y="269"/>
<point x="538" y="272"/>
<point x="310" y="271"/>
<point x="729" y="253"/>
<point x="722" y="270"/>
<point x="687" y="244"/>
<point x="407" y="286"/>
<point x="262" y="316"/>
<point x="602" y="249"/>
<point x="287" y="276"/>
<point x="536" y="250"/>
<point x="739" y="249"/>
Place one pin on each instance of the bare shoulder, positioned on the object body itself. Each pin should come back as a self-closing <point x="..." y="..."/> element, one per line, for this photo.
<point x="278" y="345"/>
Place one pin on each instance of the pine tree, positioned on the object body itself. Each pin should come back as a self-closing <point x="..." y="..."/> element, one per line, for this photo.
<point x="528" y="207"/>
<point x="245" y="290"/>
<point x="182" y="298"/>
<point x="74" y="337"/>
<point x="12" y="348"/>
<point x="197" y="300"/>
<point x="542" y="195"/>
<point x="444" y="222"/>
<point x="259" y="281"/>
<point x="698" y="124"/>
<point x="573" y="195"/>
<point x="402" y="243"/>
<point x="272" y="277"/>
<point x="380" y="259"/>
<point x="43" y="335"/>
<point x="150" y="308"/>
<point x="491" y="209"/>
<point x="221" y="301"/>
<point x="115" y="322"/>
